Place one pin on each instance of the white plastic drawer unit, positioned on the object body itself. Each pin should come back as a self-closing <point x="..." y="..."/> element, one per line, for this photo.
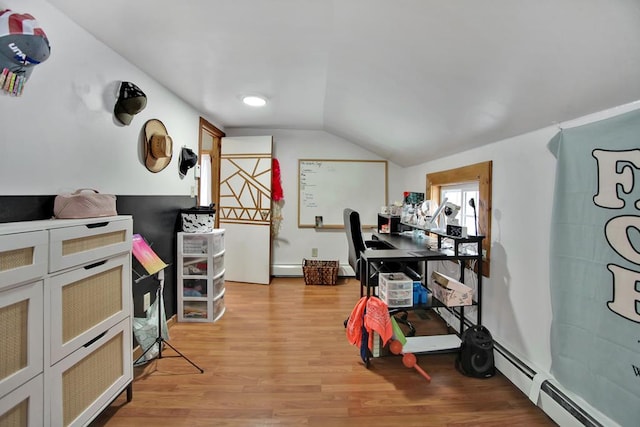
<point x="218" y="240"/>
<point x="87" y="301"/>
<point x="218" y="307"/>
<point x="218" y="263"/>
<point x="72" y="246"/>
<point x="106" y="361"/>
<point x="24" y="406"/>
<point x="21" y="354"/>
<point x="202" y="243"/>
<point x="23" y="257"/>
<point x="218" y="285"/>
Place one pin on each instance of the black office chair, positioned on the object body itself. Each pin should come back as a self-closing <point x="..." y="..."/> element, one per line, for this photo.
<point x="357" y="244"/>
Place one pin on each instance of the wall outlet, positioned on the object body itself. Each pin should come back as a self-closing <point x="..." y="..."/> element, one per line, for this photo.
<point x="193" y="191"/>
<point x="146" y="301"/>
<point x="314" y="252"/>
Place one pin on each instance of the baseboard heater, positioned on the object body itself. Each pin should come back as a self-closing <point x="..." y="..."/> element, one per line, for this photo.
<point x="542" y="392"/>
<point x="538" y="386"/>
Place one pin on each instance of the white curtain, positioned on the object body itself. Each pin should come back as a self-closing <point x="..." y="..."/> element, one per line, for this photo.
<point x="204" y="197"/>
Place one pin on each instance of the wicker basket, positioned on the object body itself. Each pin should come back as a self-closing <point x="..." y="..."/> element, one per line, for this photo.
<point x="320" y="272"/>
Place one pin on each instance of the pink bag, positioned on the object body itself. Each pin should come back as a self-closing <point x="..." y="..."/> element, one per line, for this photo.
<point x="84" y="203"/>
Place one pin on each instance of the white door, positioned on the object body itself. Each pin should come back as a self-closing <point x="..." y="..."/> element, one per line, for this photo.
<point x="244" y="210"/>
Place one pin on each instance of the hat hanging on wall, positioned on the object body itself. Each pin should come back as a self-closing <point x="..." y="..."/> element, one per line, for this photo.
<point x="131" y="100"/>
<point x="23" y="45"/>
<point x="158" y="146"/>
<point x="188" y="159"/>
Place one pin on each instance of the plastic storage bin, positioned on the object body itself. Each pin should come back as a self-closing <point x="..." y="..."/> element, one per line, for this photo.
<point x="395" y="289"/>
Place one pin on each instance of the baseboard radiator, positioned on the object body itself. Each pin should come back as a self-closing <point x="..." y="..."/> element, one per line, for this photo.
<point x="540" y="387"/>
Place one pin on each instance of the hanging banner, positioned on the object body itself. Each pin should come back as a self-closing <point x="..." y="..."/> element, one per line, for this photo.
<point x="595" y="265"/>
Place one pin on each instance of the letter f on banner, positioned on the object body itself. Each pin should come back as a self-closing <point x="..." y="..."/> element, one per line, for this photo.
<point x="609" y="177"/>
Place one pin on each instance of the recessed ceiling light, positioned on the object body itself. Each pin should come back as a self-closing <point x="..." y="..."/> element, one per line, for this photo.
<point x="255" y="100"/>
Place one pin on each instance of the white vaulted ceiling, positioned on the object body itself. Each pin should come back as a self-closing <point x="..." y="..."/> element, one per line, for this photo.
<point x="410" y="80"/>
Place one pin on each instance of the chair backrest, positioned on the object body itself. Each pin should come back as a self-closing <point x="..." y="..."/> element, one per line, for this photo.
<point x="353" y="230"/>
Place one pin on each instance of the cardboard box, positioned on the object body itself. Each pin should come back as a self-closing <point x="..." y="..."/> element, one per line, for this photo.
<point x="449" y="291"/>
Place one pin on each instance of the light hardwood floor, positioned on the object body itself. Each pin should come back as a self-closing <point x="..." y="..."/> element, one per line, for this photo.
<point x="279" y="357"/>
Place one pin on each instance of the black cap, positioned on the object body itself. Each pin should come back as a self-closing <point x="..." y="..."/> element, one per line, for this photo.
<point x="130" y="102"/>
<point x="188" y="159"/>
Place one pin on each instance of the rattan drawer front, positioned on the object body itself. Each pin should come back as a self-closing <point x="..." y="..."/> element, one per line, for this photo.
<point x="21" y="355"/>
<point x="24" y="405"/>
<point x="86" y="301"/>
<point x="23" y="257"/>
<point x="73" y="246"/>
<point x="87" y="380"/>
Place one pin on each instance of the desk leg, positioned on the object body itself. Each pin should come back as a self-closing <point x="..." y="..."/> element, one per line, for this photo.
<point x="366" y="274"/>
<point x="363" y="278"/>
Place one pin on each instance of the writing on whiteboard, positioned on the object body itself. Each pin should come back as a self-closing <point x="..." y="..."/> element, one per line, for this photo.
<point x="327" y="187"/>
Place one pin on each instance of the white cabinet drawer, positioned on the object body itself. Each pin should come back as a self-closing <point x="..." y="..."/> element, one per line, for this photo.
<point x="80" y="244"/>
<point x="21" y="354"/>
<point x="24" y="406"/>
<point x="23" y="257"/>
<point x="85" y="382"/>
<point x="85" y="302"/>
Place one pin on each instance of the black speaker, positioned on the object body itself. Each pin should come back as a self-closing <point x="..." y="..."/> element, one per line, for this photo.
<point x="475" y="358"/>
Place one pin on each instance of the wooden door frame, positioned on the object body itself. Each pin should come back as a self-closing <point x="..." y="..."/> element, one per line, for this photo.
<point x="216" y="134"/>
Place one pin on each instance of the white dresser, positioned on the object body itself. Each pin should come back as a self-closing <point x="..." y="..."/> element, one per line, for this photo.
<point x="65" y="319"/>
<point x="201" y="276"/>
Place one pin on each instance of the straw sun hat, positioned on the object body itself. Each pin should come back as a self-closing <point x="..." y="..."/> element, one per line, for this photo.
<point x="158" y="146"/>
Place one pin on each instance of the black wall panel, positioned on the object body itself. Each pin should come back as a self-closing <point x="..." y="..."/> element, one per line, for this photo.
<point x="156" y="218"/>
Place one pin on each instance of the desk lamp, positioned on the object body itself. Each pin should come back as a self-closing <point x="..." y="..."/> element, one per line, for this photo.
<point x="432" y="224"/>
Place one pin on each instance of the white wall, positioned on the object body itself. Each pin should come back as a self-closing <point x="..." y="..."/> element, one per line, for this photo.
<point x="293" y="243"/>
<point x="61" y="133"/>
<point x="516" y="298"/>
<point x="517" y="307"/>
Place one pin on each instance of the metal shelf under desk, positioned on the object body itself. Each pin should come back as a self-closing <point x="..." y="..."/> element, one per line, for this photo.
<point x="408" y="249"/>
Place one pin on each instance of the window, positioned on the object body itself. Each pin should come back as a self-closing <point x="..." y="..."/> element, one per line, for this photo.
<point x="462" y="196"/>
<point x="459" y="183"/>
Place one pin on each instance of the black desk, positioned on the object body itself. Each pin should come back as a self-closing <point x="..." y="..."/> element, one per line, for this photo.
<point x="402" y="241"/>
<point x="406" y="249"/>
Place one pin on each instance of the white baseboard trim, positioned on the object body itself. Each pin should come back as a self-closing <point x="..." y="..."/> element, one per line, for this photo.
<point x="295" y="270"/>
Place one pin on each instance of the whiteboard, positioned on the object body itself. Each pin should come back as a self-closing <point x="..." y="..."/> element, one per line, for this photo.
<point x="327" y="187"/>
